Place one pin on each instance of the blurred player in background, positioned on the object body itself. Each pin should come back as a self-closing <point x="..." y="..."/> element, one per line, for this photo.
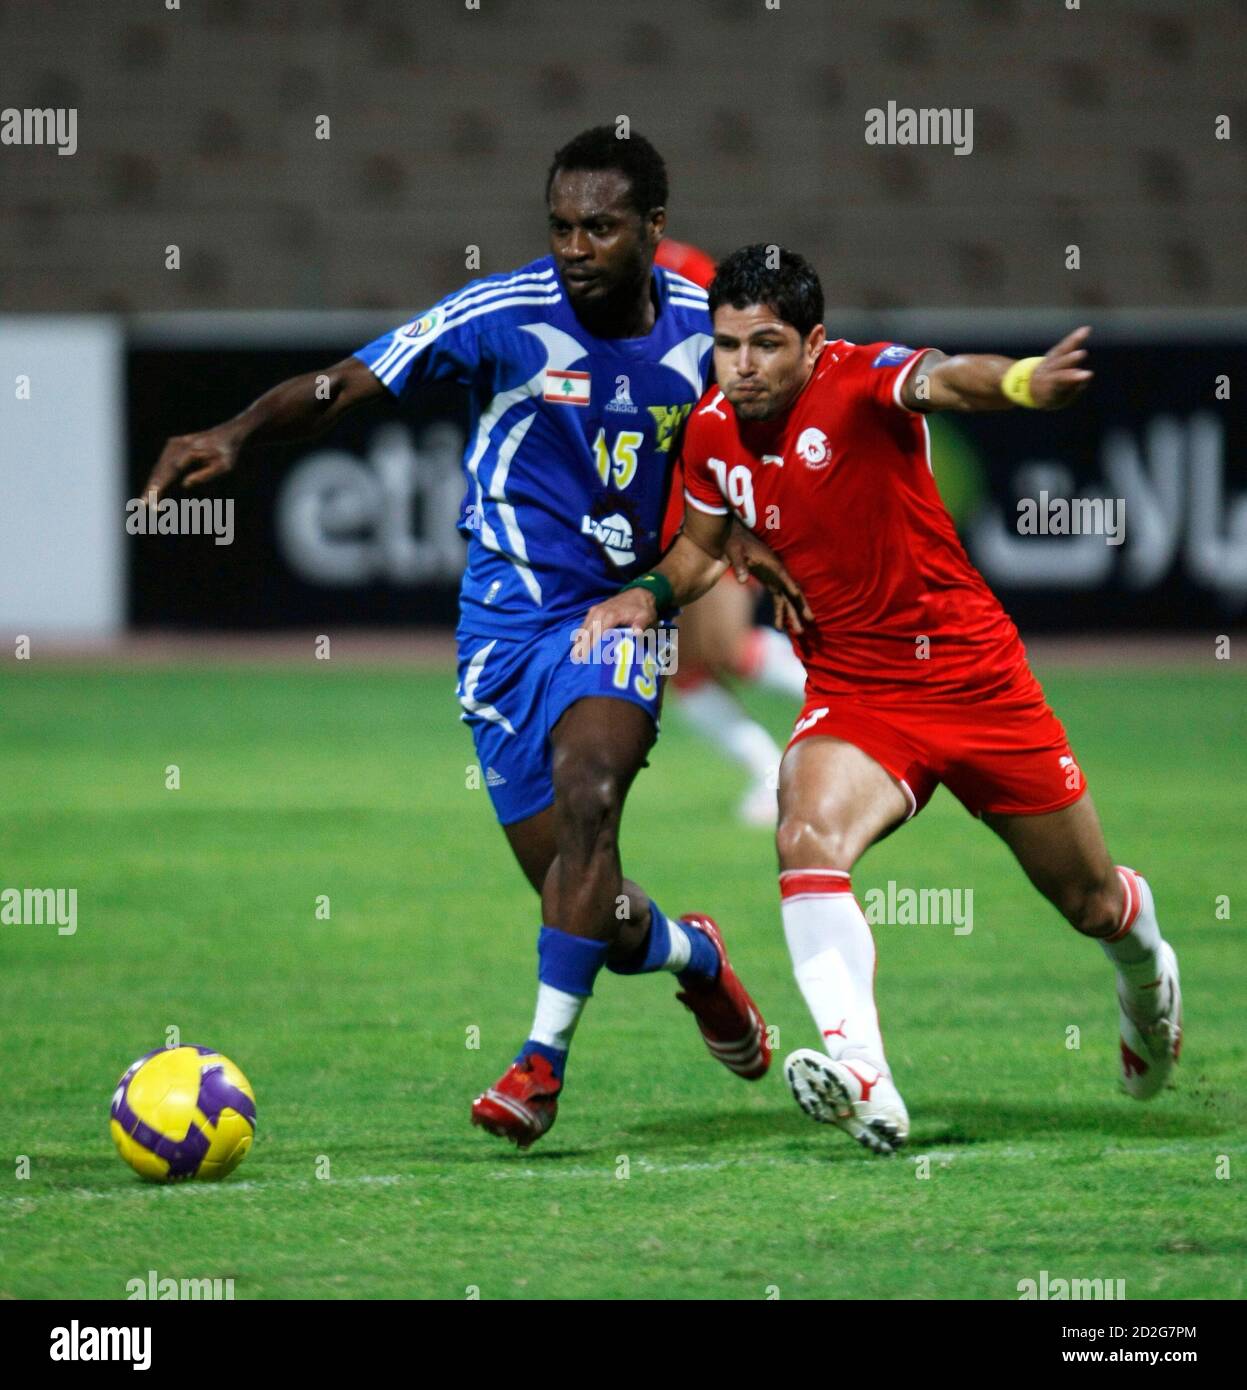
<point x="916" y="674"/>
<point x="719" y="639"/>
<point x="580" y="369"/>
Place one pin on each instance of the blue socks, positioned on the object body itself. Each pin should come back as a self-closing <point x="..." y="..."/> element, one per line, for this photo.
<point x="566" y="968"/>
<point x="671" y="945"/>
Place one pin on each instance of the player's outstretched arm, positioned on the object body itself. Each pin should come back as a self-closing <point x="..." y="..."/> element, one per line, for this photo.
<point x="300" y="408"/>
<point x="983" y="381"/>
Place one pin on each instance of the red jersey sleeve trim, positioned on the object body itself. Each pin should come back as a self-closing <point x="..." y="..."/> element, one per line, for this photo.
<point x="703" y="506"/>
<point x="902" y="376"/>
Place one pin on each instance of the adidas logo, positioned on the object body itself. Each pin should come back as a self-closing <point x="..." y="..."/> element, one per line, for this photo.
<point x="494" y="779"/>
<point x="623" y="397"/>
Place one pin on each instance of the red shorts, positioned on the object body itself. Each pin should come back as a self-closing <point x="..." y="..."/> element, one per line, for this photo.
<point x="1005" y="753"/>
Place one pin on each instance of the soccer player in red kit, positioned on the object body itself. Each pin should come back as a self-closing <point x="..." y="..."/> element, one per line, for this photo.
<point x="916" y="675"/>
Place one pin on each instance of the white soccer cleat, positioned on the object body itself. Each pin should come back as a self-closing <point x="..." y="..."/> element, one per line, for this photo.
<point x="1151" y="1042"/>
<point x="854" y="1095"/>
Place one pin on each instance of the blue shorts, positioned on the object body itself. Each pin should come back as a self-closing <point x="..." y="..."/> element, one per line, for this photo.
<point x="514" y="689"/>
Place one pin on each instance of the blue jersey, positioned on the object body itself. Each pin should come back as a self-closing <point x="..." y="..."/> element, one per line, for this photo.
<point x="570" y="445"/>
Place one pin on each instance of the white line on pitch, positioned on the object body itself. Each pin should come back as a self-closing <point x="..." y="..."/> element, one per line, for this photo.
<point x="606" y="1172"/>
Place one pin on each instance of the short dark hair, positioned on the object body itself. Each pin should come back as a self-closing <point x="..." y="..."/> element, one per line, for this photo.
<point x="767" y="274"/>
<point x="635" y="158"/>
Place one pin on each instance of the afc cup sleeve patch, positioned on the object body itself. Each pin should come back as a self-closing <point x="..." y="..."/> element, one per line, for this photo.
<point x="426" y="323"/>
<point x="892" y="355"/>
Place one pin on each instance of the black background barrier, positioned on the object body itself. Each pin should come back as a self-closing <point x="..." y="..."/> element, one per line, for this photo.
<point x="359" y="526"/>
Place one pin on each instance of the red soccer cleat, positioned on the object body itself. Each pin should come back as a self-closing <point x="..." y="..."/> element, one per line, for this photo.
<point x="729" y="1020"/>
<point x="523" y="1105"/>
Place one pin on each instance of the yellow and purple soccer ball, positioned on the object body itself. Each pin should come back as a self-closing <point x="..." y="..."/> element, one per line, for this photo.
<point x="183" y="1112"/>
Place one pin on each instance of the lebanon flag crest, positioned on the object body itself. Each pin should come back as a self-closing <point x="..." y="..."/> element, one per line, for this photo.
<point x="569" y="388"/>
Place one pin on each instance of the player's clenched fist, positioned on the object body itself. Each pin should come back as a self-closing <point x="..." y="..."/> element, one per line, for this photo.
<point x="192" y="459"/>
<point x="634" y="609"/>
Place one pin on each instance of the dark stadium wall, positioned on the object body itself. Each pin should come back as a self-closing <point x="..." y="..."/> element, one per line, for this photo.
<point x="358" y="528"/>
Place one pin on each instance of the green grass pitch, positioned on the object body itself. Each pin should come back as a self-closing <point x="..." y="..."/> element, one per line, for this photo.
<point x="665" y="1176"/>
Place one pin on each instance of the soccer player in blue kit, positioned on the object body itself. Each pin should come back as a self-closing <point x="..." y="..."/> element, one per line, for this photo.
<point x="581" y="369"/>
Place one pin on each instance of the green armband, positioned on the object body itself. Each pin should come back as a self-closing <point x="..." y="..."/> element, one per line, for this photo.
<point x="658" y="585"/>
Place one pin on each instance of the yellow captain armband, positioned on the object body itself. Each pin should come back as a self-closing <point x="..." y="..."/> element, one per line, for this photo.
<point x="1015" y="385"/>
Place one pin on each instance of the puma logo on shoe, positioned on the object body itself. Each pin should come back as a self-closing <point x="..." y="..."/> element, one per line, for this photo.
<point x="867" y="1086"/>
<point x="1131" y="1063"/>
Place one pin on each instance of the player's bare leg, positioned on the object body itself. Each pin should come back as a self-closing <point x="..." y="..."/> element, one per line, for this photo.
<point x="599" y="747"/>
<point x="533" y="844"/>
<point x="1065" y="857"/>
<point x="594" y="917"/>
<point x="535" y="848"/>
<point x="835" y="802"/>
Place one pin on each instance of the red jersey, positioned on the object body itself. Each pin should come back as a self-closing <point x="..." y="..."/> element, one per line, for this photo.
<point x="840" y="487"/>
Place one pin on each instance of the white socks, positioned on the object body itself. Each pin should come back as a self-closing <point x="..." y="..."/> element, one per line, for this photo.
<point x="833" y="958"/>
<point x="719" y="717"/>
<point x="557" y="1015"/>
<point x="833" y="955"/>
<point x="681" y="951"/>
<point x="1134" y="948"/>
